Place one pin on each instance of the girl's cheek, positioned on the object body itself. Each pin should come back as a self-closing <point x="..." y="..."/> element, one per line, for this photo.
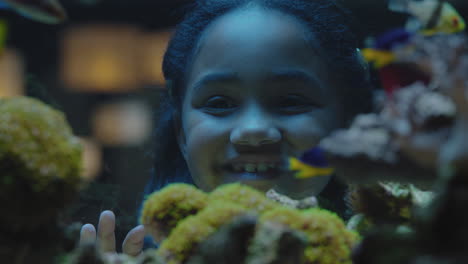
<point x="203" y="130"/>
<point x="305" y="133"/>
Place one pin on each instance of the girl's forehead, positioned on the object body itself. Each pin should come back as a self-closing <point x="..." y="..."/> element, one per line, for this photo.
<point x="257" y="22"/>
<point x="254" y="41"/>
<point x="255" y="26"/>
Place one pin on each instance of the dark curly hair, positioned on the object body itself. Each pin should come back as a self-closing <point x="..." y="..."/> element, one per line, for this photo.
<point x="327" y="23"/>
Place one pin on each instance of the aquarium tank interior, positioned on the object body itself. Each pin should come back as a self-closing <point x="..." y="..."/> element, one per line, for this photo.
<point x="233" y="131"/>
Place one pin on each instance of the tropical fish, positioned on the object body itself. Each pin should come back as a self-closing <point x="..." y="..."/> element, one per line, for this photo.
<point x="45" y="11"/>
<point x="378" y="58"/>
<point x="430" y="16"/>
<point x="380" y="53"/>
<point x="392" y="73"/>
<point x="311" y="164"/>
<point x="392" y="39"/>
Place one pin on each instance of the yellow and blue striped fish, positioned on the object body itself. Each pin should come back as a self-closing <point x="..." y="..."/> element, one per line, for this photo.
<point x="311" y="164"/>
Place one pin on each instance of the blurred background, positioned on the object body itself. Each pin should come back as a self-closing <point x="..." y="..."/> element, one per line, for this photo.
<point x="102" y="68"/>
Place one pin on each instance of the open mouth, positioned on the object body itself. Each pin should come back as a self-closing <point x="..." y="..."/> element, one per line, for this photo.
<point x="253" y="171"/>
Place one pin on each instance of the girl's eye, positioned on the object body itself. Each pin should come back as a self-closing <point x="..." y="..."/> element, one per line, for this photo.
<point x="295" y="104"/>
<point x="219" y="105"/>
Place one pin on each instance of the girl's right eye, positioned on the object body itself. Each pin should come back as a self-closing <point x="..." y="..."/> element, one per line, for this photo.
<point x="219" y="105"/>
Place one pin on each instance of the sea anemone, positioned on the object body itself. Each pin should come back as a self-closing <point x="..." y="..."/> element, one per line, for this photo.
<point x="162" y="210"/>
<point x="329" y="242"/>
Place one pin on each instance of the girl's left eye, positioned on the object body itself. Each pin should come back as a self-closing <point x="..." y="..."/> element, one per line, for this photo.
<point x="294" y="103"/>
<point x="219" y="105"/>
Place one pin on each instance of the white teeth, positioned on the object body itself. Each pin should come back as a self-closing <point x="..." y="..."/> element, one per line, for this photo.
<point x="254" y="167"/>
<point x="249" y="167"/>
<point x="262" y="167"/>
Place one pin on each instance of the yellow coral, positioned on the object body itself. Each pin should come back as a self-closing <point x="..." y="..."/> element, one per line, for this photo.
<point x="39" y="142"/>
<point x="162" y="210"/>
<point x="329" y="240"/>
<point x="184" y="239"/>
<point x="40" y="163"/>
<point x="243" y="195"/>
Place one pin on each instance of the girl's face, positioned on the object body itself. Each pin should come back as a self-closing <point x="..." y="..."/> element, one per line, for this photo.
<point x="256" y="93"/>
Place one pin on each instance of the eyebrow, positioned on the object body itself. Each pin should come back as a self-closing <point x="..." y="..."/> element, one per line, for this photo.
<point x="216" y="77"/>
<point x="281" y="75"/>
<point x="287" y="75"/>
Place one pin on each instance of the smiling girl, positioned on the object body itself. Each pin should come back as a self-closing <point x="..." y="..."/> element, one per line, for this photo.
<point x="251" y="82"/>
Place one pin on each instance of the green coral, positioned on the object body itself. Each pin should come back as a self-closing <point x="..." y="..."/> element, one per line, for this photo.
<point x="243" y="195"/>
<point x="189" y="233"/>
<point x="40" y="162"/>
<point x="329" y="240"/>
<point x="164" y="209"/>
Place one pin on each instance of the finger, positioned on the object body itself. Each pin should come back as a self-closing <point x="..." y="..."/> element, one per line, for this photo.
<point x="133" y="242"/>
<point x="106" y="228"/>
<point x="87" y="234"/>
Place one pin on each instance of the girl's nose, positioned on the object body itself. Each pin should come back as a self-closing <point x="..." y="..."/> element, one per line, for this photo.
<point x="255" y="128"/>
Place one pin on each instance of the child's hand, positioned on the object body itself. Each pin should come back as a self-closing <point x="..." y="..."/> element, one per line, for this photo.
<point x="133" y="242"/>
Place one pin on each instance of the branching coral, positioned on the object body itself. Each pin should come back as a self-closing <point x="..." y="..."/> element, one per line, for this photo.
<point x="328" y="239"/>
<point x="40" y="163"/>
<point x="368" y="152"/>
<point x="164" y="209"/>
<point x="185" y="238"/>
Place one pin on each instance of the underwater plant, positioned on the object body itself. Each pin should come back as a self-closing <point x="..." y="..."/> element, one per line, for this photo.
<point x="164" y="209"/>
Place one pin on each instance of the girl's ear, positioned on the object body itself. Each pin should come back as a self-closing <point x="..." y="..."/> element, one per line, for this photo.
<point x="180" y="134"/>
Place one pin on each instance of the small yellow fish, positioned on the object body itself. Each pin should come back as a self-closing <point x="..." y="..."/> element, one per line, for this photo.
<point x="431" y="16"/>
<point x="379" y="58"/>
<point x="304" y="171"/>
